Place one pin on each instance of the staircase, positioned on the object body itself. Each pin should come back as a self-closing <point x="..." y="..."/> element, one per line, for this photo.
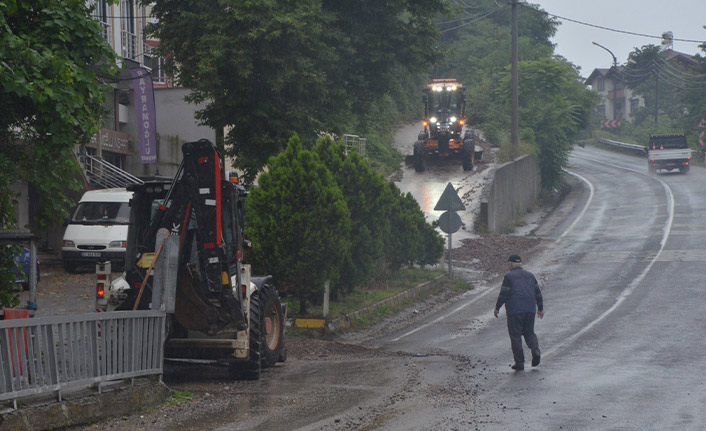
<point x="101" y="174"/>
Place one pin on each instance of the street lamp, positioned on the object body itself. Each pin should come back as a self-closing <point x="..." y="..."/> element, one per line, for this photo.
<point x="615" y="70"/>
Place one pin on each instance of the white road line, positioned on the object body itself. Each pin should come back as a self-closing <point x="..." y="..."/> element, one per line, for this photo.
<point x="487" y="290"/>
<point x="636" y="281"/>
<point x="623" y="295"/>
<point x="585" y="207"/>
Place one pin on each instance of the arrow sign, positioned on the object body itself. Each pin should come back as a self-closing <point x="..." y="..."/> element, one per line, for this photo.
<point x="610" y="124"/>
<point x="449" y="200"/>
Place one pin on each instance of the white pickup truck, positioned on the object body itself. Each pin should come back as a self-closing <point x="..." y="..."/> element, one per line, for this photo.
<point x="669" y="151"/>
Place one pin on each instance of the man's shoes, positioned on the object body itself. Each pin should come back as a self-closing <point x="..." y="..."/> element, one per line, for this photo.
<point x="535" y="359"/>
<point x="517" y="367"/>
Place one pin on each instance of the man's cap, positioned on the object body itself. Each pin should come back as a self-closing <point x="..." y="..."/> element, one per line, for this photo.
<point x="514" y="259"/>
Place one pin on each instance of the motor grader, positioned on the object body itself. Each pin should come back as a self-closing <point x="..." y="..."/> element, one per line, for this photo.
<point x="445" y="134"/>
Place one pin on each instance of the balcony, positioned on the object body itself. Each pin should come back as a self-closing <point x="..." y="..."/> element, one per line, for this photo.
<point x="129" y="43"/>
<point x="105" y="32"/>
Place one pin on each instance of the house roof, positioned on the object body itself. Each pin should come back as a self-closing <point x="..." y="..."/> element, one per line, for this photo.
<point x="685" y="59"/>
<point x="601" y="73"/>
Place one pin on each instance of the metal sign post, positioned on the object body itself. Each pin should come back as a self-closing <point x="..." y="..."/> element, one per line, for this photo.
<point x="449" y="221"/>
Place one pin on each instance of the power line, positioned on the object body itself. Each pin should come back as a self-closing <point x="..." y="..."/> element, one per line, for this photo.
<point x="472" y="20"/>
<point x="601" y="27"/>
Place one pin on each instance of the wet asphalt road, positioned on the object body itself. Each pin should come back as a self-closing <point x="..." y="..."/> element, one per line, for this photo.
<point x="621" y="271"/>
<point x="622" y="336"/>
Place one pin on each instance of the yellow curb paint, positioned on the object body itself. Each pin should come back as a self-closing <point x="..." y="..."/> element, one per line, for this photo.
<point x="309" y="323"/>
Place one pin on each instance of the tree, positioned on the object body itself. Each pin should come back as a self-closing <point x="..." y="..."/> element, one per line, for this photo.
<point x="364" y="192"/>
<point x="554" y="107"/>
<point x="51" y="100"/>
<point x="298" y="223"/>
<point x="411" y="239"/>
<point x="269" y="68"/>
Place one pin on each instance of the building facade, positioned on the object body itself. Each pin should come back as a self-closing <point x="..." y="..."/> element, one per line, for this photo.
<point x="617" y="101"/>
<point x="116" y="146"/>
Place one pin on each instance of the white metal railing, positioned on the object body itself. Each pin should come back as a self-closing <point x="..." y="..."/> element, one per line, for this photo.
<point x="50" y="354"/>
<point x="105" y="174"/>
<point x="105" y="31"/>
<point x="355" y="141"/>
<point x="633" y="147"/>
<point x="129" y="44"/>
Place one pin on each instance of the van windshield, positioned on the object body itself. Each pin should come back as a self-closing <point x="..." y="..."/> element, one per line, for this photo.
<point x="102" y="213"/>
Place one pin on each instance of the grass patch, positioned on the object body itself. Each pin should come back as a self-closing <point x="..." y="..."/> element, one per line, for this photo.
<point x="179" y="397"/>
<point x="384" y="286"/>
<point x="374" y="292"/>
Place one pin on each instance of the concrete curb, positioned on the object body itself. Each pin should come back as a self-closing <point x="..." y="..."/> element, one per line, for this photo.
<point x="84" y="407"/>
<point x="344" y="323"/>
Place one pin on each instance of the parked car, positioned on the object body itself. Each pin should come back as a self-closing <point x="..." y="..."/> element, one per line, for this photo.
<point x="21" y="269"/>
<point x="97" y="232"/>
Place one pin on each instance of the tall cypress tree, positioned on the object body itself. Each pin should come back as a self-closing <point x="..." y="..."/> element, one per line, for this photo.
<point x="299" y="224"/>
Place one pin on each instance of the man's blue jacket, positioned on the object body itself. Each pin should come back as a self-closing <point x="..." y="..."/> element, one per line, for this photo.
<point x="520" y="293"/>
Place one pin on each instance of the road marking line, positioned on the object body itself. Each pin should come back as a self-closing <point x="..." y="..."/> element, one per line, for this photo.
<point x="636" y="281"/>
<point x="585" y="207"/>
<point x="486" y="290"/>
<point x="623" y="295"/>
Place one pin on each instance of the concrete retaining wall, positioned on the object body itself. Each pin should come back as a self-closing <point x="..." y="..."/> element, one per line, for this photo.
<point x="511" y="190"/>
<point x="84" y="407"/>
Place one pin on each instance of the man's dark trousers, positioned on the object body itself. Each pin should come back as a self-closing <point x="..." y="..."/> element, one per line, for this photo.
<point x="522" y="325"/>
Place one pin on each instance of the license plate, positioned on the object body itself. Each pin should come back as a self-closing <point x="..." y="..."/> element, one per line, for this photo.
<point x="90" y="254"/>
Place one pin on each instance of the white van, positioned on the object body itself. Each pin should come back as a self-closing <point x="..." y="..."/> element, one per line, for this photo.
<point x="97" y="232"/>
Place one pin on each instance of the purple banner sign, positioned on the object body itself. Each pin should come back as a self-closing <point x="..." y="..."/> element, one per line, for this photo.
<point x="144" y="111"/>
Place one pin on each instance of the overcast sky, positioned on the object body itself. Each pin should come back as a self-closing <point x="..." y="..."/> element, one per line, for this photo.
<point x="684" y="18"/>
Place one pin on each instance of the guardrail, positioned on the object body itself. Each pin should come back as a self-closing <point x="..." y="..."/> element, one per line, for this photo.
<point x="633" y="147"/>
<point x="50" y="354"/>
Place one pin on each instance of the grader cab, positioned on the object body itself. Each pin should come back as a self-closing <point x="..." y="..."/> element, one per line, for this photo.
<point x="445" y="134"/>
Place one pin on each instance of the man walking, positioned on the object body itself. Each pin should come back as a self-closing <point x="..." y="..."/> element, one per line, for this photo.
<point x="522" y="299"/>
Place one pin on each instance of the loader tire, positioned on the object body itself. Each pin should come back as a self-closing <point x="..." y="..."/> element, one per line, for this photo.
<point x="272" y="326"/>
<point x="468" y="149"/>
<point x="419" y="155"/>
<point x="251" y="369"/>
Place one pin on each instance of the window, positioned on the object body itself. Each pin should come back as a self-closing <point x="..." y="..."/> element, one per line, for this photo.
<point x="600" y="84"/>
<point x="634" y="104"/>
<point x="155" y="63"/>
<point x="127" y="14"/>
<point x="619" y="108"/>
<point x="128" y="34"/>
<point x="100" y="14"/>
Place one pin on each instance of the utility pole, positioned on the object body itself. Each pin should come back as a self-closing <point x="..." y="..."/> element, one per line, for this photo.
<point x="515" y="126"/>
<point x="656" y="97"/>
